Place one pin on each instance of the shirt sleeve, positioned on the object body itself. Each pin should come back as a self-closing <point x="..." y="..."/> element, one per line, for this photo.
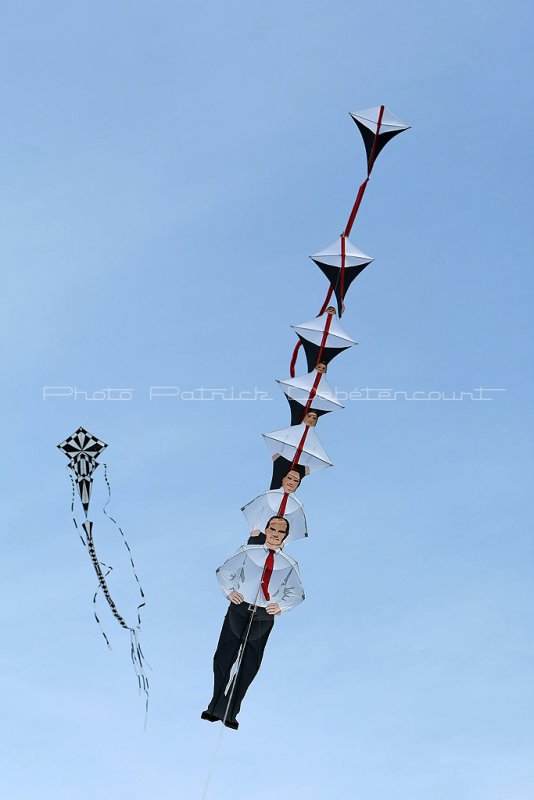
<point x="231" y="575"/>
<point x="291" y="592"/>
<point x="259" y="539"/>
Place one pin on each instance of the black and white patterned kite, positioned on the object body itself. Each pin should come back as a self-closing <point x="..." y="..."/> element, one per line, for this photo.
<point x="82" y="450"/>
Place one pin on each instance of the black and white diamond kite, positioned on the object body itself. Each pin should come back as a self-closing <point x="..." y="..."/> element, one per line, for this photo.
<point x="82" y="442"/>
<point x="322" y="344"/>
<point x="367" y="122"/>
<point x="341" y="262"/>
<point x="82" y="448"/>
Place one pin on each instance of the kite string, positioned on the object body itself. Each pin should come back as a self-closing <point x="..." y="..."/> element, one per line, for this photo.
<point x="346" y="232"/>
<point x="241" y="654"/>
<point x="213" y="763"/>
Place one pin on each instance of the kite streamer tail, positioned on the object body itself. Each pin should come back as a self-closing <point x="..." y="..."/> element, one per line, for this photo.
<point x="73" y="513"/>
<point x="140" y="665"/>
<point x="88" y="527"/>
<point x="127" y="546"/>
<point x="139" y="662"/>
<point x="97" y="618"/>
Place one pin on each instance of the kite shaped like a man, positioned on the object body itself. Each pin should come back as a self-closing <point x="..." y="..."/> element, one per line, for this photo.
<point x="261" y="582"/>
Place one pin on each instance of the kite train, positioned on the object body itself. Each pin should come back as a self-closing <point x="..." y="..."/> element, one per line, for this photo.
<point x="261" y="580"/>
<point x="82" y="449"/>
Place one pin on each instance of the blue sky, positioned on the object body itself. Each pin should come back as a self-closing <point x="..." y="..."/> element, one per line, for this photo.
<point x="166" y="170"/>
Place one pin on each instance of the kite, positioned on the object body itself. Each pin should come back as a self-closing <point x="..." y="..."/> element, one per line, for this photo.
<point x="323" y="338"/>
<point x="341" y="262"/>
<point x="261" y="580"/>
<point x="267" y="505"/>
<point x="82" y="449"/>
<point x="300" y="444"/>
<point x="309" y="392"/>
<point x="377" y="127"/>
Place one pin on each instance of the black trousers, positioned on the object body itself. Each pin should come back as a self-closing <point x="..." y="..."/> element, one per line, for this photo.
<point x="233" y="633"/>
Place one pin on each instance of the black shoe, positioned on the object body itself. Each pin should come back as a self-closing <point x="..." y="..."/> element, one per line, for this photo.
<point x="232" y="723"/>
<point x="209" y="717"/>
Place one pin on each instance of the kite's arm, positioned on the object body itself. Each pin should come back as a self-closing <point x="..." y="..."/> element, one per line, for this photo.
<point x="229" y="573"/>
<point x="292" y="592"/>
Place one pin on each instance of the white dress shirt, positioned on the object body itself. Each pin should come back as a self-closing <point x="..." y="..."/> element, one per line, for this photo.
<point x="243" y="572"/>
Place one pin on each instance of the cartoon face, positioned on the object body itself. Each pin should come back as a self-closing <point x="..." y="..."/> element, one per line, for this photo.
<point x="310" y="419"/>
<point x="275" y="532"/>
<point x="321" y="367"/>
<point x="330" y="310"/>
<point x="291" y="482"/>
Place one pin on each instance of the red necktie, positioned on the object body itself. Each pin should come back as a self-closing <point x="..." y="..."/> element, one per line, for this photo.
<point x="267" y="572"/>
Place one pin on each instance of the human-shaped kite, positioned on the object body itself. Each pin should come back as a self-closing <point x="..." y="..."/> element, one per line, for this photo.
<point x="263" y="507"/>
<point x="261" y="582"/>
